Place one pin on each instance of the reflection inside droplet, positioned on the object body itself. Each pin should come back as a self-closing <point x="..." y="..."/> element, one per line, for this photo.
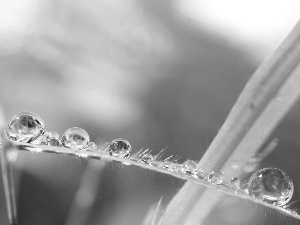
<point x="215" y="177"/>
<point x="190" y="167"/>
<point x="147" y="158"/>
<point x="271" y="185"/>
<point x="25" y="127"/>
<point x="76" y="138"/>
<point x="119" y="148"/>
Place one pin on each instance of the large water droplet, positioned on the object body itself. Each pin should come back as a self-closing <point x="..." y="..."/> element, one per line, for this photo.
<point x="119" y="148"/>
<point x="147" y="158"/>
<point x="272" y="185"/>
<point x="215" y="177"/>
<point x="25" y="127"/>
<point x="190" y="167"/>
<point x="76" y="138"/>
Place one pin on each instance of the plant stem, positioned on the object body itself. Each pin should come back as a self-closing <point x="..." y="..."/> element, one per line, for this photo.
<point x="103" y="155"/>
<point x="266" y="98"/>
<point x="8" y="184"/>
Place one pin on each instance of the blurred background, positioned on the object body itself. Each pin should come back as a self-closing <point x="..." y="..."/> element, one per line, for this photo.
<point x="161" y="74"/>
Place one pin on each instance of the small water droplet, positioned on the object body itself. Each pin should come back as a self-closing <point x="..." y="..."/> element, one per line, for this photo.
<point x="53" y="139"/>
<point x="147" y="158"/>
<point x="190" y="167"/>
<point x="54" y="142"/>
<point x="92" y="146"/>
<point x="200" y="174"/>
<point x="215" y="177"/>
<point x="25" y="127"/>
<point x="175" y="167"/>
<point x="119" y="148"/>
<point x="271" y="185"/>
<point x="76" y="138"/>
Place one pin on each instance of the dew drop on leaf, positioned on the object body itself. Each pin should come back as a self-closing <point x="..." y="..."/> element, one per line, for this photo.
<point x="53" y="139"/>
<point x="190" y="167"/>
<point x="215" y="177"/>
<point x="119" y="148"/>
<point x="76" y="138"/>
<point x="147" y="158"/>
<point x="25" y="127"/>
<point x="200" y="174"/>
<point x="271" y="185"/>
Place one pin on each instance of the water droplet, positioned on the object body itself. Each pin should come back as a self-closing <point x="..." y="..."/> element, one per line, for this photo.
<point x="54" y="142"/>
<point x="272" y="185"/>
<point x="215" y="177"/>
<point x="147" y="158"/>
<point x="53" y="139"/>
<point x="190" y="167"/>
<point x="201" y="174"/>
<point x="92" y="146"/>
<point x="119" y="148"/>
<point x="76" y="138"/>
<point x="175" y="167"/>
<point x="25" y="127"/>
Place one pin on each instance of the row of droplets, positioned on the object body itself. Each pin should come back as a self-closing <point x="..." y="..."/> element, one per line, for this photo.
<point x="271" y="185"/>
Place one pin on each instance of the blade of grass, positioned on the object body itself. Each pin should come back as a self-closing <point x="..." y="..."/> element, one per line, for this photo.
<point x="101" y="154"/>
<point x="156" y="213"/>
<point x="257" y="97"/>
<point x="254" y="139"/>
<point x="7" y="177"/>
<point x="8" y="185"/>
<point x="152" y="216"/>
